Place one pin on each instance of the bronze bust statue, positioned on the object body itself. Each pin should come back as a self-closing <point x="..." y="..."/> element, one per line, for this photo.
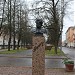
<point x="39" y="23"/>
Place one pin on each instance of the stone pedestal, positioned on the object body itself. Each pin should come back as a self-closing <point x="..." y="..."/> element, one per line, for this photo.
<point x="38" y="55"/>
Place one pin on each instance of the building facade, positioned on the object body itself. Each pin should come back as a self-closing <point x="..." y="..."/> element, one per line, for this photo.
<point x="4" y="40"/>
<point x="70" y="37"/>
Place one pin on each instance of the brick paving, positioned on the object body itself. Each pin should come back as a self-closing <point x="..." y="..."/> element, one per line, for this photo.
<point x="28" y="71"/>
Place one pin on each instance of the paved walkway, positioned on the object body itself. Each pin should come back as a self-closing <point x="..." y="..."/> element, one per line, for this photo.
<point x="21" y="70"/>
<point x="30" y="56"/>
<point x="28" y="71"/>
<point x="25" y="59"/>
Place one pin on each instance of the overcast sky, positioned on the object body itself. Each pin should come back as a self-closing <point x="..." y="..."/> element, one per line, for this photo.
<point x="69" y="19"/>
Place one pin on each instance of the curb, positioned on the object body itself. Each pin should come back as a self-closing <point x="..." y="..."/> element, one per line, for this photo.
<point x="52" y="57"/>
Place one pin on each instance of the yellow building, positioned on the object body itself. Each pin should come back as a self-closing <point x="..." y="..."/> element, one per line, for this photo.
<point x="70" y="37"/>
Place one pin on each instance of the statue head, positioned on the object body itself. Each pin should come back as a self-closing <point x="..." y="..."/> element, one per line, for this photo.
<point x="39" y="23"/>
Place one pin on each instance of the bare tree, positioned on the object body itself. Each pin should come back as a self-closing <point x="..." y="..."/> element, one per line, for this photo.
<point x="14" y="6"/>
<point x="9" y="23"/>
<point x="52" y="16"/>
<point x="2" y="16"/>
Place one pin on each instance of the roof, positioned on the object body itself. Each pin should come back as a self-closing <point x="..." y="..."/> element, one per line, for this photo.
<point x="70" y="28"/>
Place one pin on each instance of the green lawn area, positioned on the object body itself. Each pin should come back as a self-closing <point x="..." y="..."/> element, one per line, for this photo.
<point x="47" y="52"/>
<point x="11" y="51"/>
<point x="52" y="52"/>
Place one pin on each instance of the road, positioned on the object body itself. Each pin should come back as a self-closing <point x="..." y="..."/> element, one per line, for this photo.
<point x="13" y="60"/>
<point x="49" y="63"/>
<point x="70" y="52"/>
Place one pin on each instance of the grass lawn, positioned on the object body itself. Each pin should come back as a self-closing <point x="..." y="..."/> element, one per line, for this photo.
<point x="11" y="51"/>
<point x="52" y="52"/>
<point x="47" y="52"/>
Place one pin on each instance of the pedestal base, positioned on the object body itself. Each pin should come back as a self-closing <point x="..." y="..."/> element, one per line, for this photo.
<point x="38" y="56"/>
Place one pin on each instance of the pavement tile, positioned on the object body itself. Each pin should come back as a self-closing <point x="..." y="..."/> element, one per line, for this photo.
<point x="28" y="71"/>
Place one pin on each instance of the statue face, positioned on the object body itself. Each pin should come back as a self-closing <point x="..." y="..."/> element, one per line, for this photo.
<point x="39" y="23"/>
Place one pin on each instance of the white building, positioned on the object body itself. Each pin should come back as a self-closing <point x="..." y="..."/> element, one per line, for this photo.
<point x="6" y="41"/>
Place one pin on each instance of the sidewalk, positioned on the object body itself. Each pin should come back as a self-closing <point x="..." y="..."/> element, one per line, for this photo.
<point x="10" y="69"/>
<point x="30" y="56"/>
<point x="28" y="71"/>
<point x="25" y="59"/>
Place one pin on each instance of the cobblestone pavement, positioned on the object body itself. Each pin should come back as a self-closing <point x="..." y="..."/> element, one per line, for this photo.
<point x="28" y="71"/>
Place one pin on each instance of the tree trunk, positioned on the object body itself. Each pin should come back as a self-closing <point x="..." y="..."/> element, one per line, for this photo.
<point x="2" y="15"/>
<point x="14" y="27"/>
<point x="24" y="44"/>
<point x="14" y="43"/>
<point x="3" y="42"/>
<point x="56" y="46"/>
<point x="55" y="49"/>
<point x="18" y="44"/>
<point x="19" y="27"/>
<point x="9" y="20"/>
<point x="9" y="44"/>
